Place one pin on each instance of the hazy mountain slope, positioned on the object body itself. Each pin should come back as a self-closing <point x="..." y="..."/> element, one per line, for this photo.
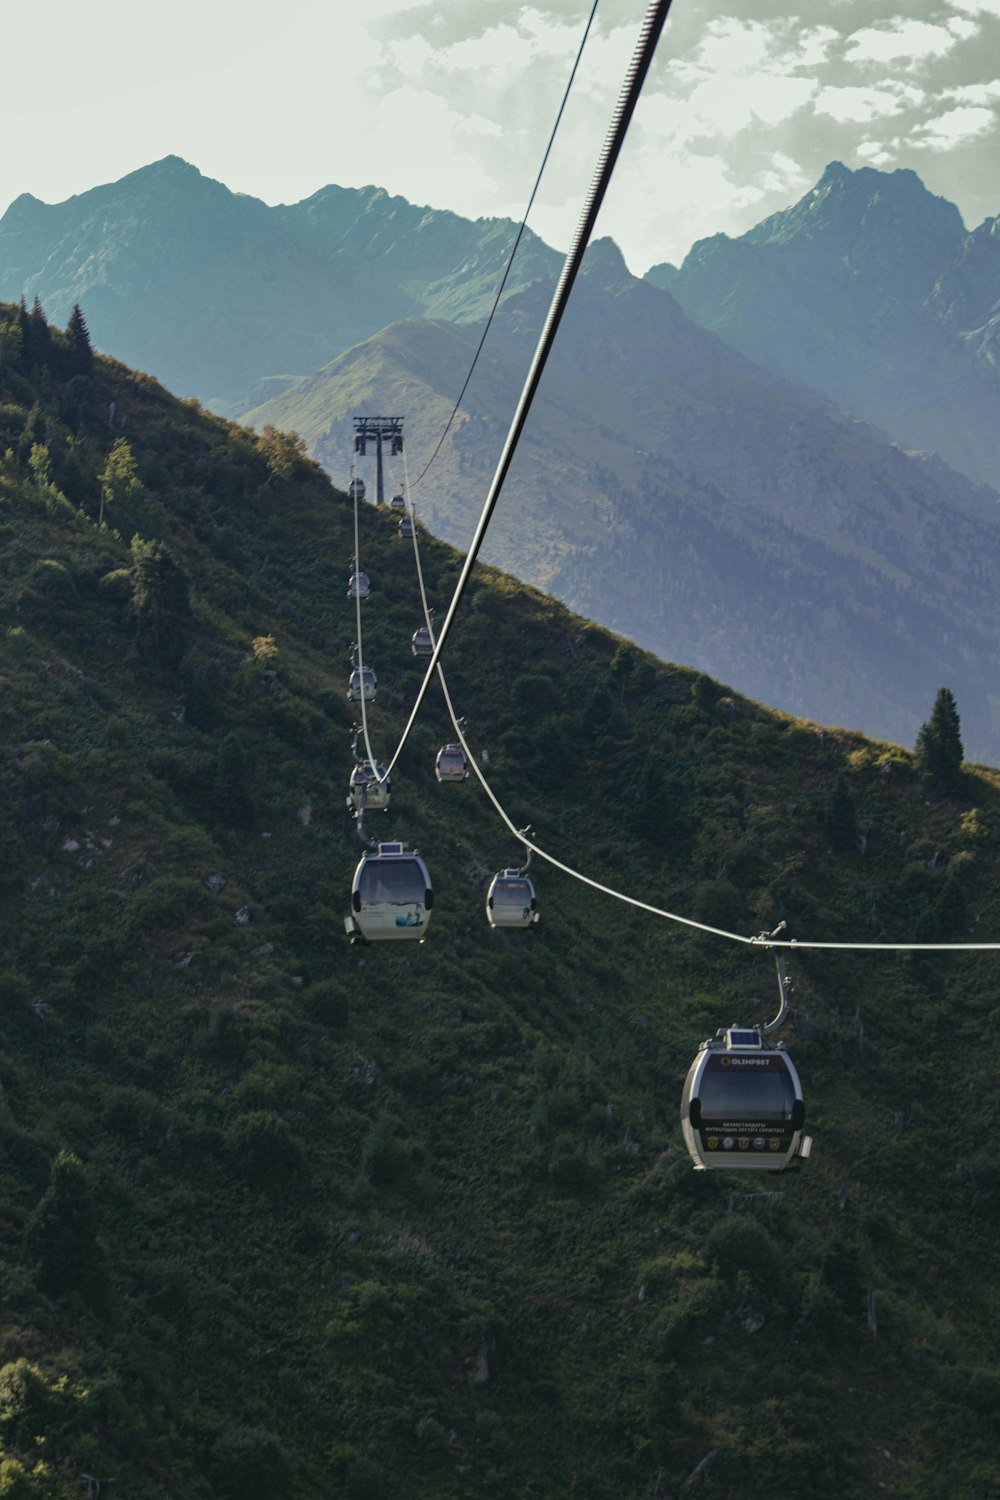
<point x="870" y="290"/>
<point x="216" y="291"/>
<point x="392" y="252"/>
<point x="685" y="497"/>
<point x="283" y="1217"/>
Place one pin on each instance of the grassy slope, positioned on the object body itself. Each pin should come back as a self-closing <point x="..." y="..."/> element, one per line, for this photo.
<point x="324" y="1189"/>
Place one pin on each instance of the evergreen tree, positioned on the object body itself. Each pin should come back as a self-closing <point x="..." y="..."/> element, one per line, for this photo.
<point x="838" y="819"/>
<point x="33" y="433"/>
<point x="284" y="451"/>
<point x="119" y="479"/>
<point x="81" y="351"/>
<point x="40" y="464"/>
<point x="939" y="748"/>
<point x="160" y="607"/>
<point x="21" y="321"/>
<point x="231" y="789"/>
<point x="61" y="1236"/>
<point x="11" y="343"/>
<point x="37" y="337"/>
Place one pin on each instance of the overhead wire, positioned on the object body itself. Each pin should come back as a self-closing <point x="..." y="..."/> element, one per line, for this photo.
<point x="514" y="248"/>
<point x="357" y="610"/>
<point x="611" y="150"/>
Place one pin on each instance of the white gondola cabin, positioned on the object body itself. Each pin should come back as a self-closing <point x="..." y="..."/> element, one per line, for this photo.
<point x="362" y="684"/>
<point x="397" y="503"/>
<point x="392" y="897"/>
<point x="369" y="787"/>
<point x="359" y="586"/>
<point x="451" y="764"/>
<point x="356" y="489"/>
<point x="422" y="643"/>
<point x="406" y="528"/>
<point x="510" y="901"/>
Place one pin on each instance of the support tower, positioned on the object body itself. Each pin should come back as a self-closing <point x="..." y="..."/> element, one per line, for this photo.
<point x="378" y="430"/>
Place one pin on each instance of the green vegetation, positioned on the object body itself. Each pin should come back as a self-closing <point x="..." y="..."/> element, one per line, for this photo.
<point x="285" y="1217"/>
<point x="939" y="751"/>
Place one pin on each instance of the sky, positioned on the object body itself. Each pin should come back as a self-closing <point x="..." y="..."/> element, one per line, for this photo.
<point x="451" y="103"/>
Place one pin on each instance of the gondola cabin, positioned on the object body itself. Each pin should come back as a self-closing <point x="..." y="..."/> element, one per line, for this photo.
<point x="362" y="684"/>
<point x="358" y="586"/>
<point x="392" y="897"/>
<point x="422" y="643"/>
<point x="451" y="764"/>
<point x="510" y="901"/>
<point x="356" y="489"/>
<point x="406" y="528"/>
<point x="397" y="503"/>
<point x="370" y="786"/>
<point x="742" y="1107"/>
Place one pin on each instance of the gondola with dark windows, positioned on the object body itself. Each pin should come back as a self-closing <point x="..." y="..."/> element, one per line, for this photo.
<point x="742" y="1106"/>
<point x="362" y="684"/>
<point x="422" y="643"/>
<point x="358" y="586"/>
<point x="406" y="528"/>
<point x="369" y="787"/>
<point x="451" y="764"/>
<point x="392" y="897"/>
<point x="511" y="900"/>
<point x="356" y="489"/>
<point x="397" y="503"/>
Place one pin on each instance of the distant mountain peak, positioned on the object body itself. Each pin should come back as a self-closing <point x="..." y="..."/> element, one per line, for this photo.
<point x="887" y="223"/>
<point x="604" y="258"/>
<point x="171" y="163"/>
<point x="901" y="183"/>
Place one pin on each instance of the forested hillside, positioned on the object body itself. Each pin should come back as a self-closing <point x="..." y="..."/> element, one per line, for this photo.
<point x="282" y="1216"/>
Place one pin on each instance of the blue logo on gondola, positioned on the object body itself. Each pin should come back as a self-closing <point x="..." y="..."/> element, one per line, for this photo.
<point x="412" y="918"/>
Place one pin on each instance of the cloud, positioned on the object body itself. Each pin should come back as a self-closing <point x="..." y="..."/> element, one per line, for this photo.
<point x="702" y="194"/>
<point x="977" y="7"/>
<point x="902" y="40"/>
<point x="954" y="128"/>
<point x="974" y="93"/>
<point x="849" y="102"/>
<point x="877" y="153"/>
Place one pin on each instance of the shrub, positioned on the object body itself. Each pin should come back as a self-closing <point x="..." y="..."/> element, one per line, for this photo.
<point x="250" y="1463"/>
<point x="61" y="1236"/>
<point x="740" y="1245"/>
<point x="262" y="1147"/>
<point x="329" y="1003"/>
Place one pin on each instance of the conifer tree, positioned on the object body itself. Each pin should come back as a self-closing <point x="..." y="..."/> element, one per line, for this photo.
<point x="11" y="342"/>
<point x="119" y="479"/>
<point x="939" y="748"/>
<point x="838" y="819"/>
<point x="61" y="1235"/>
<point x="33" y="433"/>
<point x="160" y="606"/>
<point x="81" y="351"/>
<point x="231" y="789"/>
<point x="37" y="337"/>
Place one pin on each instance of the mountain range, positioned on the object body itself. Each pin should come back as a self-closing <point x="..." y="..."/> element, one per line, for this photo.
<point x="268" y="293"/>
<point x="870" y="290"/>
<point x="709" y="507"/>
